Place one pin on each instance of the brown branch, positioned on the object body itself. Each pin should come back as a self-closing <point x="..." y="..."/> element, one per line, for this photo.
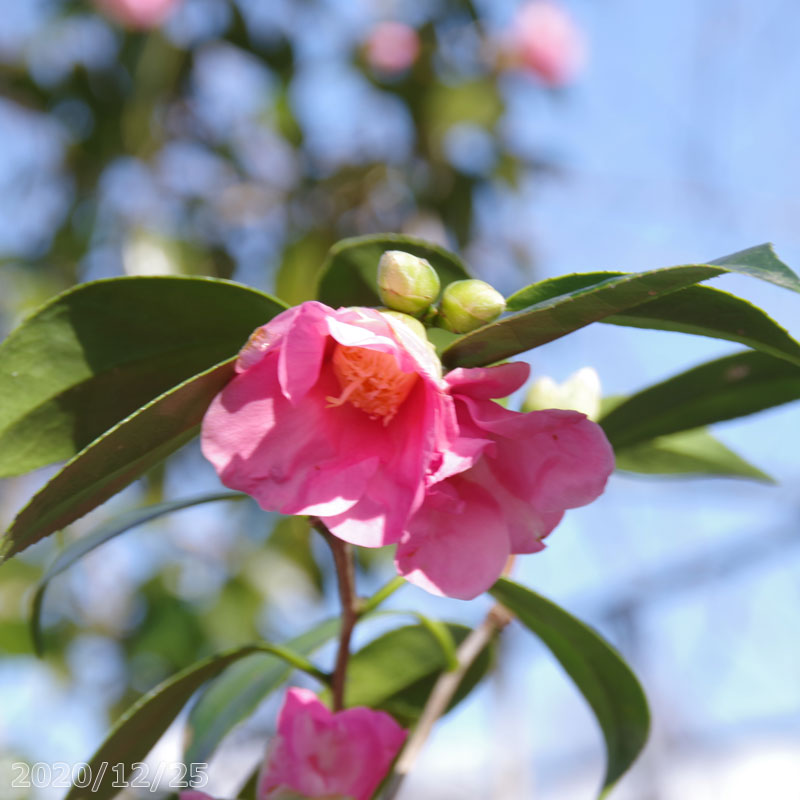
<point x="351" y="607"/>
<point x="442" y="693"/>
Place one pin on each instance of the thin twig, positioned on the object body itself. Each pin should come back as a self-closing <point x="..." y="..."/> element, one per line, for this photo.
<point x="351" y="608"/>
<point x="442" y="693"/>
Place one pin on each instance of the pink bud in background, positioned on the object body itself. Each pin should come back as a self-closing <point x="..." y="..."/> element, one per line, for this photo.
<point x="392" y="47"/>
<point x="139" y="14"/>
<point x="319" y="753"/>
<point x="546" y="41"/>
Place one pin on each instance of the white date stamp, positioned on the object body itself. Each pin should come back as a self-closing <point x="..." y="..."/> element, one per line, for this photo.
<point x="138" y="775"/>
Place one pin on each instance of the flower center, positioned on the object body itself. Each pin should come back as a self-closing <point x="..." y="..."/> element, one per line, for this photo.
<point x="370" y="380"/>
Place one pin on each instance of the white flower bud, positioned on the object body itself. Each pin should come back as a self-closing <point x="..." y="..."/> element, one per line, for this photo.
<point x="580" y="392"/>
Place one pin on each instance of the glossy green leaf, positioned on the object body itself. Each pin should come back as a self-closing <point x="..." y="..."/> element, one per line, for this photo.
<point x="699" y="310"/>
<point x="235" y="695"/>
<point x="349" y="274"/>
<point x="598" y="671"/>
<point x="397" y="671"/>
<point x="96" y="353"/>
<point x="118" y="457"/>
<point x="729" y="387"/>
<point x="694" y="452"/>
<point x="120" y="524"/>
<point x="139" y="728"/>
<point x="556" y="307"/>
<point x="705" y="311"/>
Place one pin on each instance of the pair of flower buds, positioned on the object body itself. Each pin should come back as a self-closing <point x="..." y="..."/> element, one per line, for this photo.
<point x="410" y="285"/>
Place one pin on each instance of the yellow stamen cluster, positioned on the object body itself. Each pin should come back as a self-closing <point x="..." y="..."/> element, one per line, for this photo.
<point x="371" y="380"/>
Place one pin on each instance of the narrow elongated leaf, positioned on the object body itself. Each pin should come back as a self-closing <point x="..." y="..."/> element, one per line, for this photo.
<point x="235" y="695"/>
<point x="694" y="453"/>
<point x="705" y="311"/>
<point x="599" y="673"/>
<point x="113" y="528"/>
<point x="118" y="457"/>
<point x="397" y="671"/>
<point x="96" y="353"/>
<point x="349" y="274"/>
<point x="561" y="305"/>
<point x="729" y="387"/>
<point x="139" y="728"/>
<point x="699" y="310"/>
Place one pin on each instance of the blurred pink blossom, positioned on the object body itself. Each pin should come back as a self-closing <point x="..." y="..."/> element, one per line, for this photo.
<point x="319" y="753"/>
<point x="546" y="41"/>
<point x="392" y="47"/>
<point x="139" y="14"/>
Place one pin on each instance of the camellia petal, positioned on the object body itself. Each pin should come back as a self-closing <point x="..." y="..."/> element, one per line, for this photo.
<point x="331" y="413"/>
<point x="454" y="545"/>
<point x="485" y="383"/>
<point x="526" y="470"/>
<point x="319" y="753"/>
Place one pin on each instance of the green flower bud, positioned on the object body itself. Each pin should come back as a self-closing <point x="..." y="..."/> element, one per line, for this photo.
<point x="466" y="305"/>
<point x="406" y="283"/>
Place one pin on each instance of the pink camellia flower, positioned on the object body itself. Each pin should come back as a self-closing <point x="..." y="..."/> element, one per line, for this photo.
<point x="392" y="47"/>
<point x="334" y="413"/>
<point x="547" y="42"/>
<point x="526" y="470"/>
<point x="138" y="14"/>
<point x="318" y="753"/>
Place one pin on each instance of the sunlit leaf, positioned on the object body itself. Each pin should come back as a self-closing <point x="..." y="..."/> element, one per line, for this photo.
<point x="597" y="669"/>
<point x="556" y="307"/>
<point x="729" y="387"/>
<point x="349" y="274"/>
<point x="688" y="453"/>
<point x="397" y="671"/>
<point x="97" y="352"/>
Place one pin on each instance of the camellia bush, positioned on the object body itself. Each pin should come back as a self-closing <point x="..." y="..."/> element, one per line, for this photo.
<point x="376" y="415"/>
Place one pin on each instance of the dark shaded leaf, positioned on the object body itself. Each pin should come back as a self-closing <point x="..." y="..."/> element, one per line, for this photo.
<point x="729" y="387"/>
<point x="349" y="274"/>
<point x="561" y="305"/>
<point x="598" y="671"/>
<point x="705" y="311"/>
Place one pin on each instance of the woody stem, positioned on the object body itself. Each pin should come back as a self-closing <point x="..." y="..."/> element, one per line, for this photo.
<point x="351" y="607"/>
<point x="443" y="692"/>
